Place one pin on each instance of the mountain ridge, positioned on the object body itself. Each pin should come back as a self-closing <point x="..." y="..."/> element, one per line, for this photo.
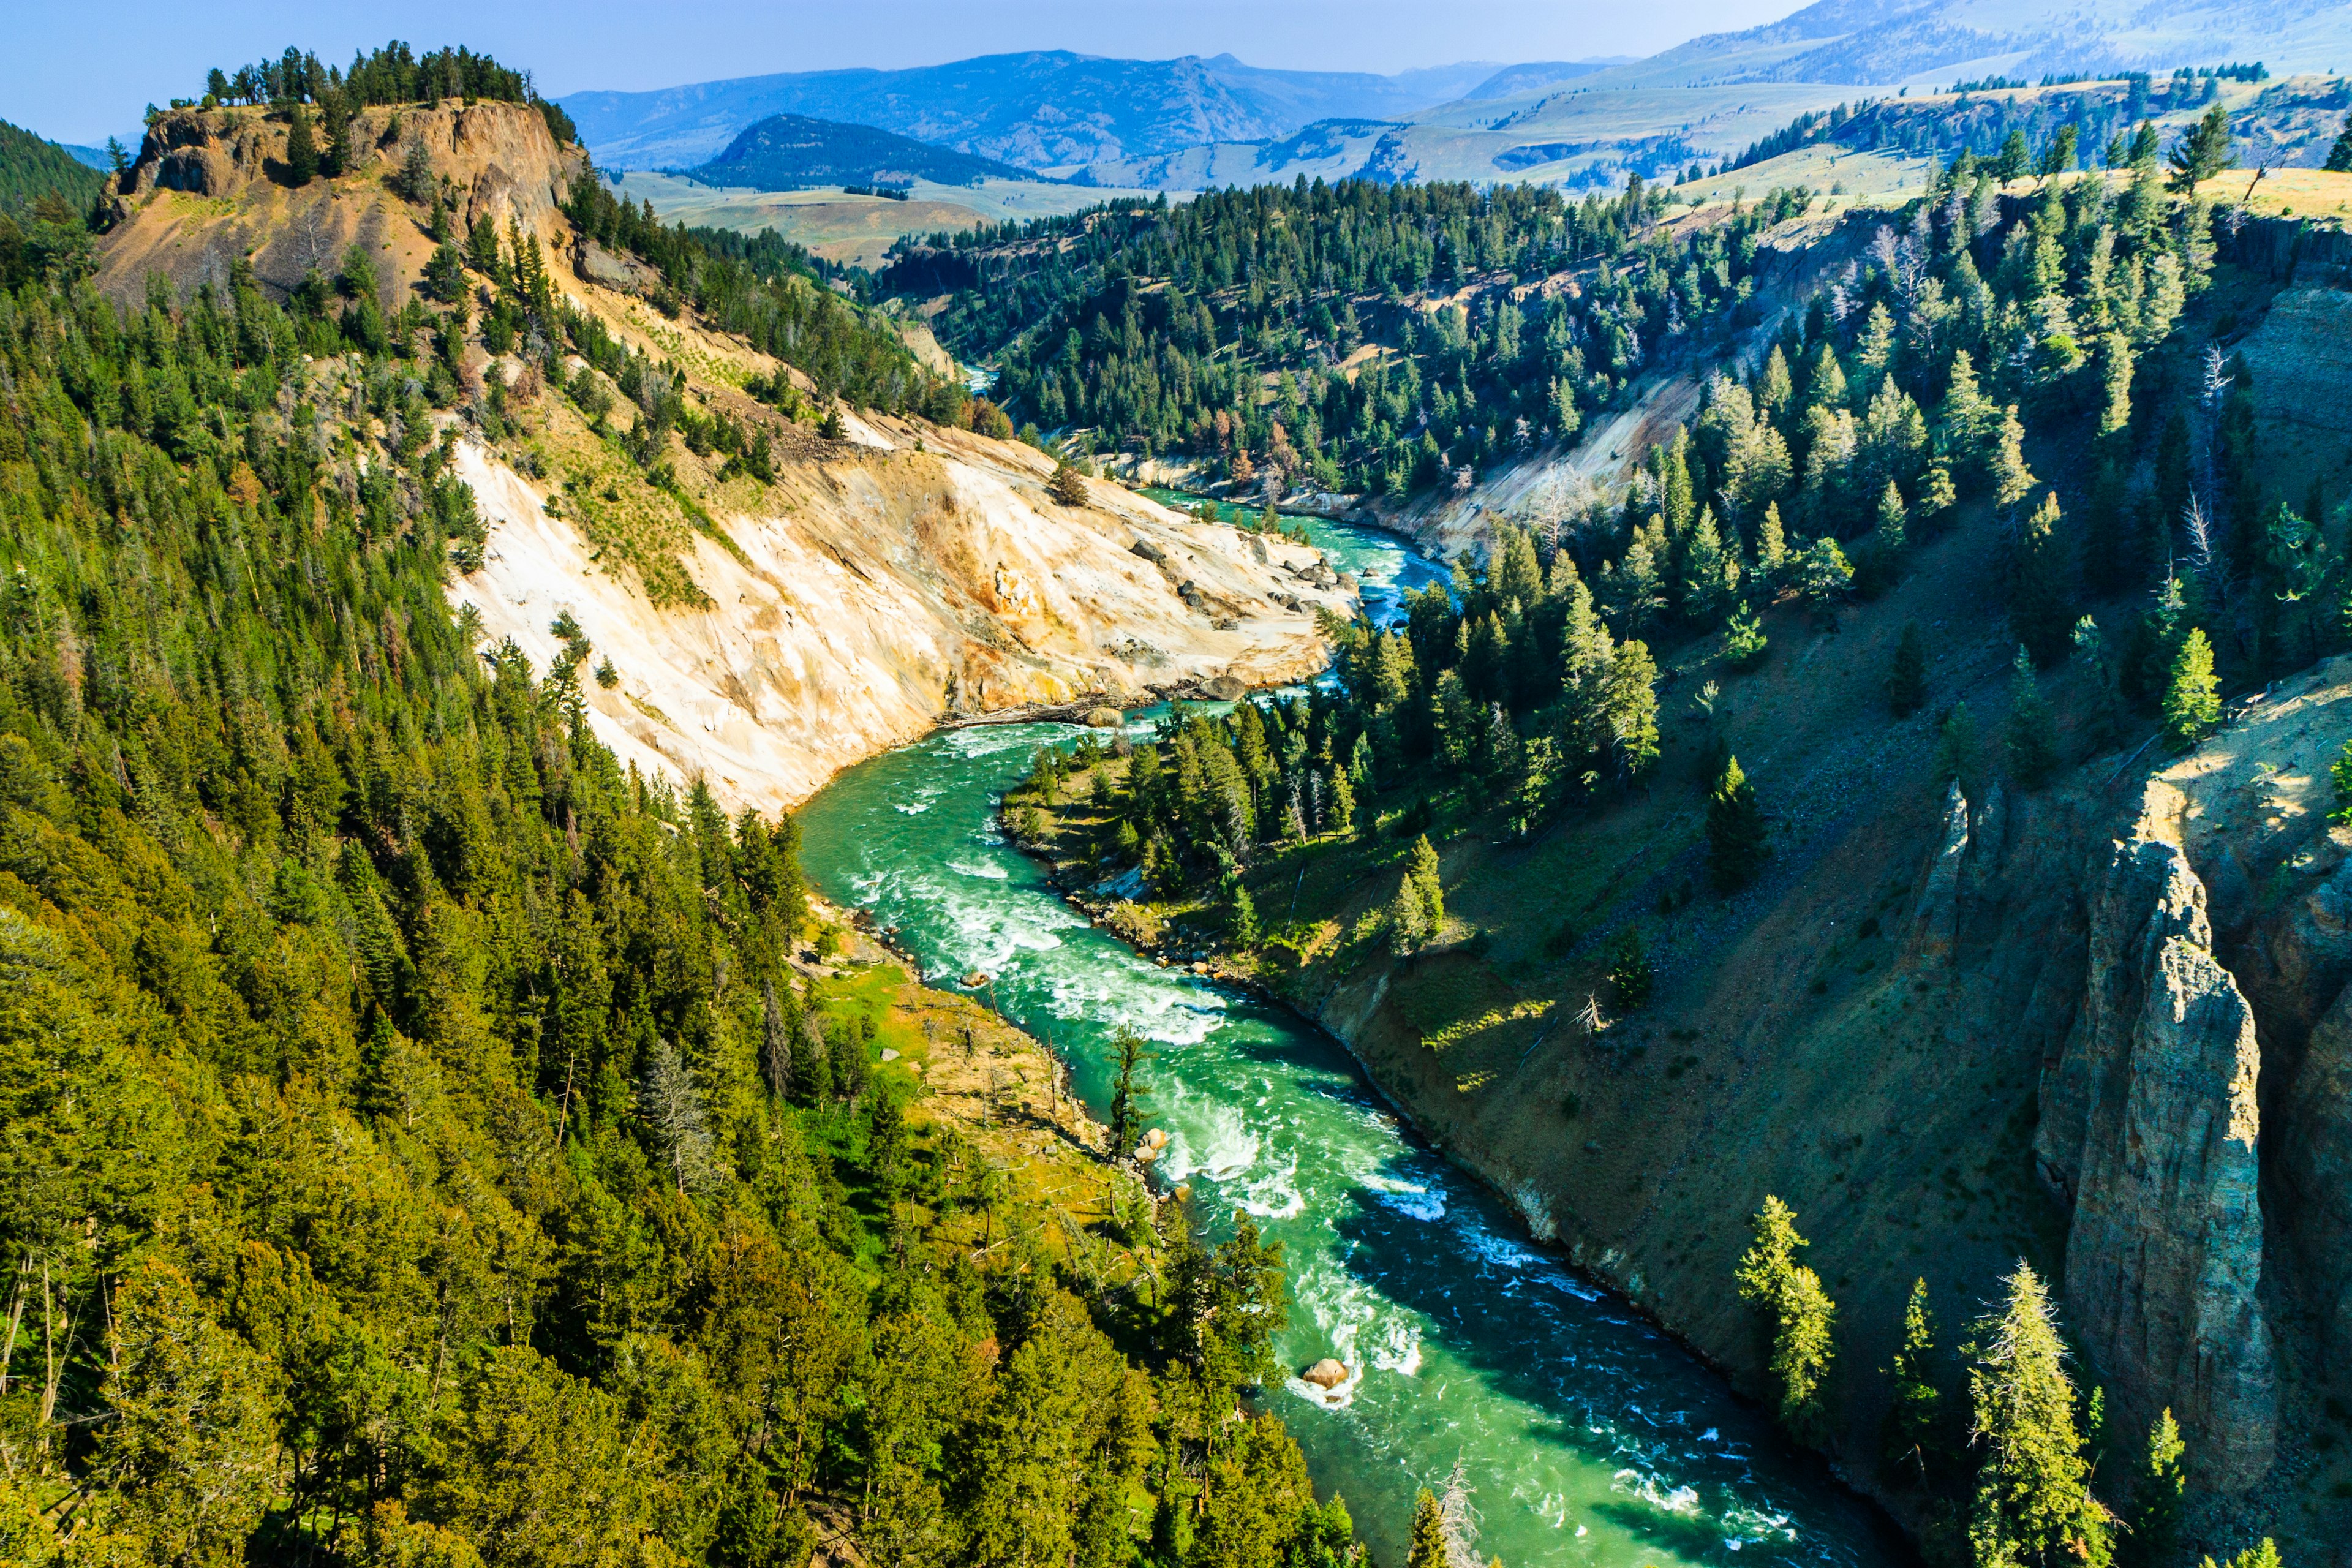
<point x="1042" y="110"/>
<point x="792" y="151"/>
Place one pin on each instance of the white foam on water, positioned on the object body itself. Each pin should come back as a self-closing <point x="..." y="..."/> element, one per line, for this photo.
<point x="993" y="739"/>
<point x="1215" y="1142"/>
<point x="1409" y="1199"/>
<point x="1276" y="1195"/>
<point x="1401" y="1353"/>
<point x="982" y="869"/>
<point x="1489" y="1247"/>
<point x="915" y="809"/>
<point x="1681" y="1501"/>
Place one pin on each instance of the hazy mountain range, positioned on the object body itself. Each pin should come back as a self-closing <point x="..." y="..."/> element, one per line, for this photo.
<point x="1190" y="123"/>
<point x="1042" y="110"/>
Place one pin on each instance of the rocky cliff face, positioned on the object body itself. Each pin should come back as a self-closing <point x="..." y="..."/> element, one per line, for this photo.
<point x="2149" y="1125"/>
<point x="877" y="590"/>
<point x="210" y="187"/>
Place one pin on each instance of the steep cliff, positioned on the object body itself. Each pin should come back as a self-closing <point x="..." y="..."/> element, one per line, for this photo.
<point x="211" y="186"/>
<point x="2148" y="1125"/>
<point x="875" y="590"/>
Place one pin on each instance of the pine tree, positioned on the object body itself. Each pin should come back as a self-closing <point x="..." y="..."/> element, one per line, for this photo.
<point x="776" y="1043"/>
<point x="1340" y="818"/>
<point x="2033" y="1505"/>
<point x="671" y="1102"/>
<point x="2032" y="741"/>
<point x="1906" y="680"/>
<point x="1068" y="486"/>
<point x="2340" y="156"/>
<point x="1957" y="757"/>
<point x="2040" y="602"/>
<point x="1798" y="1312"/>
<point x="1771" y="547"/>
<point x="1744" y="642"/>
<point x="1127" y="1094"/>
<point x="1427" y="886"/>
<point x="1405" y="918"/>
<point x="1628" y="709"/>
<point x="2204" y="152"/>
<point x="301" y="150"/>
<point x="2192" y="703"/>
<point x="831" y="426"/>
<point x="2004" y="462"/>
<point x="1243" y="927"/>
<point x="1914" y="1430"/>
<point x="2158" y="1490"/>
<point x="1630" y="974"/>
<point x="1891" y="534"/>
<point x="1426" y="1548"/>
<point x="1735" y="840"/>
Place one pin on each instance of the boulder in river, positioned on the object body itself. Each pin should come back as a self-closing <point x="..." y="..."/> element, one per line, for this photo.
<point x="1225" y="688"/>
<point x="1325" y="1374"/>
<point x="1105" y="718"/>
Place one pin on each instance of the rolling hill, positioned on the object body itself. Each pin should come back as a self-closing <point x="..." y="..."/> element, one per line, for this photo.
<point x="793" y="152"/>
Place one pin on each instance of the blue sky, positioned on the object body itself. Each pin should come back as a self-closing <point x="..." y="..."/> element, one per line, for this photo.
<point x="74" y="83"/>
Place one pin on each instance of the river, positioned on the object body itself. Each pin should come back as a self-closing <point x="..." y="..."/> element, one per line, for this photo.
<point x="1589" y="1437"/>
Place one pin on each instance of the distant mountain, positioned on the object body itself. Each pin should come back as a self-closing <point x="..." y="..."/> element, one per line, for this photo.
<point x="793" y="152"/>
<point x="1512" y="80"/>
<point x="96" y="157"/>
<point x="1047" y="109"/>
<point x="1885" y="42"/>
<point x="31" y="168"/>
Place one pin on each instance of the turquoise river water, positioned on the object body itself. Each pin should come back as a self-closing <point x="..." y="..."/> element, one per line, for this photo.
<point x="1590" y="1437"/>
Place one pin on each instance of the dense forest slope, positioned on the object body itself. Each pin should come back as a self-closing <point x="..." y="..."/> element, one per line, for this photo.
<point x="425" y="1135"/>
<point x="1818" y="784"/>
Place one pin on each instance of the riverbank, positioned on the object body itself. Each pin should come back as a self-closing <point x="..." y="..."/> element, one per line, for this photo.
<point x="1595" y="1440"/>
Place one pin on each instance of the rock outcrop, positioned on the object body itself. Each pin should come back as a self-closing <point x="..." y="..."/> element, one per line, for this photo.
<point x="900" y="588"/>
<point x="211" y="188"/>
<point x="2149" y="1125"/>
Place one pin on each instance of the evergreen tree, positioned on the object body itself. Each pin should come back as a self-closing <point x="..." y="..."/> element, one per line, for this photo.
<point x="1126" y="1095"/>
<point x="2032" y="736"/>
<point x="1798" y="1313"/>
<point x="1956" y="756"/>
<point x="2159" y="1488"/>
<point x="1744" y="642"/>
<point x="1629" y="709"/>
<point x="1242" y="928"/>
<point x="2339" y="154"/>
<point x="1907" y="680"/>
<point x="1427" y="886"/>
<point x="1735" y="840"/>
<point x="2033" y="1506"/>
<point x="302" y="150"/>
<point x="2040" y="602"/>
<point x="1914" y="1423"/>
<point x="2192" y="703"/>
<point x="2004" y="463"/>
<point x="1630" y="974"/>
<point x="1426" y="1547"/>
<point x="2204" y="152"/>
<point x="1406" y="918"/>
